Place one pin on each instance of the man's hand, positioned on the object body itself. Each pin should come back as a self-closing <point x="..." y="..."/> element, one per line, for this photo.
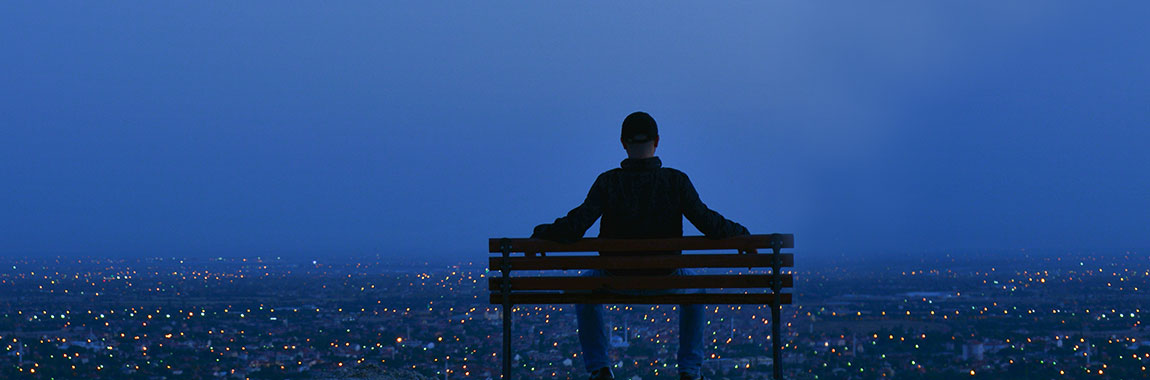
<point x="544" y="231"/>
<point x="540" y="231"/>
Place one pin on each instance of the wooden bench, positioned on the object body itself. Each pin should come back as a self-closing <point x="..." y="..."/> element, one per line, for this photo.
<point x="508" y="290"/>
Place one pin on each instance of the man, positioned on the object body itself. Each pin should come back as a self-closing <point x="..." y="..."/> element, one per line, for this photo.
<point x="641" y="199"/>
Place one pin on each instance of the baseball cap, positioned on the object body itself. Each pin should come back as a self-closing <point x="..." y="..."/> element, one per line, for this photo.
<point x="639" y="127"/>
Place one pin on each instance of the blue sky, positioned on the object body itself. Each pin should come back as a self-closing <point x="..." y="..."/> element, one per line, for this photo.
<point x="337" y="128"/>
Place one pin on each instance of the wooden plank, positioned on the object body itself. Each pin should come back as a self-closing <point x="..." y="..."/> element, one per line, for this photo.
<point x="763" y="241"/>
<point x="642" y="262"/>
<point x="588" y="298"/>
<point x="641" y="282"/>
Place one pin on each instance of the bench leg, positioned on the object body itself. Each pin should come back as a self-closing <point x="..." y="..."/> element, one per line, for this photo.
<point x="505" y="247"/>
<point x="777" y="341"/>
<point x="506" y="341"/>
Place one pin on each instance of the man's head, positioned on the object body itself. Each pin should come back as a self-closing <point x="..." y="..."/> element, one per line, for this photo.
<point x="640" y="135"/>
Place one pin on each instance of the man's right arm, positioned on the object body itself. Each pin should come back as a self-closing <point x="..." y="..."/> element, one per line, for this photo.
<point x="709" y="222"/>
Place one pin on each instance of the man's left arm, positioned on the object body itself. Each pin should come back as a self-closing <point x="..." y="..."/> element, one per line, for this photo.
<point x="572" y="227"/>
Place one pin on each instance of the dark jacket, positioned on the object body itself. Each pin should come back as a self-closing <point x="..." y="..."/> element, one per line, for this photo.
<point x="641" y="199"/>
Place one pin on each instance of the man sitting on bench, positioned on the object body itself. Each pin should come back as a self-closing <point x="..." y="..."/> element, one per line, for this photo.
<point x="641" y="199"/>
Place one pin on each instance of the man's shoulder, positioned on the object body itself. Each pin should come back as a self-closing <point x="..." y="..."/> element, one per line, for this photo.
<point x="674" y="175"/>
<point x="673" y="171"/>
<point x="610" y="173"/>
<point x="664" y="171"/>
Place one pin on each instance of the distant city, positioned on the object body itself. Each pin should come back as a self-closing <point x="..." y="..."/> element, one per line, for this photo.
<point x="1018" y="316"/>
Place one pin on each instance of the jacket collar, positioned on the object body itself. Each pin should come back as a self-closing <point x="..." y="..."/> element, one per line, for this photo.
<point x="641" y="163"/>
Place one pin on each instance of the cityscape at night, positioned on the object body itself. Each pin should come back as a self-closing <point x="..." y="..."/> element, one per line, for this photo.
<point x="260" y="189"/>
<point x="1022" y="316"/>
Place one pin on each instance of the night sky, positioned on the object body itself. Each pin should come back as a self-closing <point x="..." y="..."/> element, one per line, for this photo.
<point x="249" y="128"/>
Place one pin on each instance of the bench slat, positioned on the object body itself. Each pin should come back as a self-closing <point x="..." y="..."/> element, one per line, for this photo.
<point x="644" y="262"/>
<point x="641" y="282"/>
<point x="567" y="298"/>
<point x="762" y="241"/>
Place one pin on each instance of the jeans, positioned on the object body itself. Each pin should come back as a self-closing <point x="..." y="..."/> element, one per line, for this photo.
<point x="593" y="336"/>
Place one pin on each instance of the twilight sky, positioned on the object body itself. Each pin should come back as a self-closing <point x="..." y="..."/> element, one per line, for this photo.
<point x="421" y="129"/>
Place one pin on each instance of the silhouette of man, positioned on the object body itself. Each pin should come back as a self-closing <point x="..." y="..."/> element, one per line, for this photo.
<point x="640" y="199"/>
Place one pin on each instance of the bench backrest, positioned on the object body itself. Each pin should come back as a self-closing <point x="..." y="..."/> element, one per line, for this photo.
<point x="746" y="288"/>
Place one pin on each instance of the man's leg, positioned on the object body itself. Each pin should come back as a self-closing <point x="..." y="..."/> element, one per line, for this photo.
<point x="592" y="335"/>
<point x="691" y="321"/>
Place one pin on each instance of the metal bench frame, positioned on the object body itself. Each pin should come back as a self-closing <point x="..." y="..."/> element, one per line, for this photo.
<point x="509" y="291"/>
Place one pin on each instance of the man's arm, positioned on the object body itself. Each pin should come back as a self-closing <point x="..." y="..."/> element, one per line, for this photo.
<point x="572" y="227"/>
<point x="709" y="222"/>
